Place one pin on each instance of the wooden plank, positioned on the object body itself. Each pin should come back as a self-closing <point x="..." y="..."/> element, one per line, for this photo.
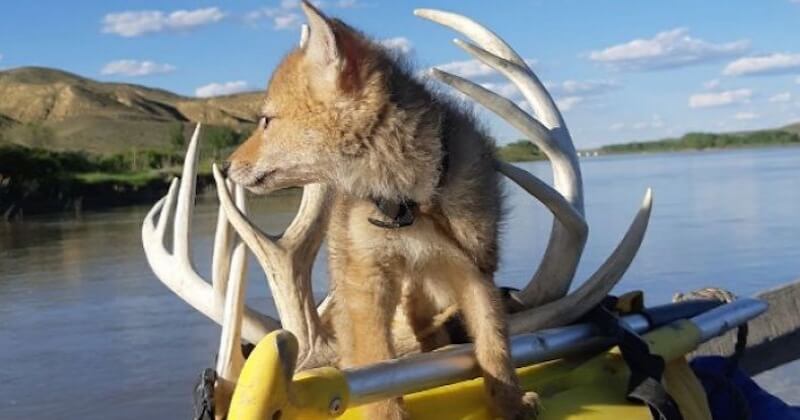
<point x="773" y="338"/>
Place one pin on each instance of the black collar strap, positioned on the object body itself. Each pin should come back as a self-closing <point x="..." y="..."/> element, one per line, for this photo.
<point x="401" y="213"/>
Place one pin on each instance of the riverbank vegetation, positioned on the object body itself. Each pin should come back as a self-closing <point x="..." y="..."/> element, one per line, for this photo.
<point x="519" y="151"/>
<point x="38" y="180"/>
<point x="706" y="141"/>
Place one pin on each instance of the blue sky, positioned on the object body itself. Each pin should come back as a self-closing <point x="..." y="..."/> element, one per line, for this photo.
<point x="621" y="70"/>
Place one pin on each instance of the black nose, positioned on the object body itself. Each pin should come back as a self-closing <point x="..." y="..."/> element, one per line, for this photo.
<point x="224" y="167"/>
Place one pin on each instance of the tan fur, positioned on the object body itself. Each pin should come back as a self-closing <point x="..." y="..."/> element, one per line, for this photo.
<point x="344" y="112"/>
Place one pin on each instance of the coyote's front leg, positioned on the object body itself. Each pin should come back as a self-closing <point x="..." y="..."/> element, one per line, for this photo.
<point x="485" y="320"/>
<point x="363" y="321"/>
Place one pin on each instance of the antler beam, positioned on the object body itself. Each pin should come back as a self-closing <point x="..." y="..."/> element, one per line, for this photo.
<point x="546" y="290"/>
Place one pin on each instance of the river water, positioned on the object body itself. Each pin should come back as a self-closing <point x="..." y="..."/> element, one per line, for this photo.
<point x="87" y="331"/>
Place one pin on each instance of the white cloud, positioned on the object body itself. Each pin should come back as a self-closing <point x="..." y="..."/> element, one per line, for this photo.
<point x="570" y="93"/>
<point x="668" y="49"/>
<point x="781" y="97"/>
<point x="287" y="16"/>
<point x="467" y="68"/>
<point x="568" y="102"/>
<point x="715" y="99"/>
<point x="581" y="87"/>
<point x="135" y="68"/>
<point x="284" y="17"/>
<point x="797" y="80"/>
<point x="473" y="68"/>
<point x="217" y="89"/>
<point x="616" y="126"/>
<point x="506" y="89"/>
<point x="711" y="84"/>
<point x="567" y="94"/>
<point x="744" y="116"/>
<point x="347" y="4"/>
<point x="400" y="43"/>
<point x="135" y="23"/>
<point x="286" y="21"/>
<point x="778" y="63"/>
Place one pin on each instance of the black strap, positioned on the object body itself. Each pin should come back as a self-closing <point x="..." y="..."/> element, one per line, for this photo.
<point x="203" y="395"/>
<point x="644" y="385"/>
<point x="399" y="213"/>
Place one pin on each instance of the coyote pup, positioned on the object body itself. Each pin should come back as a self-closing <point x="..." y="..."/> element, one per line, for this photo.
<point x="417" y="201"/>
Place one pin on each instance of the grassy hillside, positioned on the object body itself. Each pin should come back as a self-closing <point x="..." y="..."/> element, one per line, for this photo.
<point x="71" y="142"/>
<point x="56" y="110"/>
<point x="792" y="128"/>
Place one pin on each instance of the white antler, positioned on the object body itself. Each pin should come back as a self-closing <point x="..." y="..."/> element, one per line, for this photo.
<point x="546" y="290"/>
<point x="287" y="260"/>
<point x="175" y="269"/>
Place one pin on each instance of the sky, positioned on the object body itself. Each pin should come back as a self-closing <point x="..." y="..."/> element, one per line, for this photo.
<point x="620" y="70"/>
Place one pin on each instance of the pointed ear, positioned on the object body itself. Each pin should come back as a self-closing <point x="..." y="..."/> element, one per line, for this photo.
<point x="321" y="46"/>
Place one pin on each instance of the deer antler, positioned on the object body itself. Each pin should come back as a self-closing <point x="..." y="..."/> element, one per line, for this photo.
<point x="548" y="286"/>
<point x="175" y="269"/>
<point x="287" y="260"/>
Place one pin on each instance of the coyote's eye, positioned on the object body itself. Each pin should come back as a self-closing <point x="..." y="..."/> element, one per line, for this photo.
<point x="263" y="122"/>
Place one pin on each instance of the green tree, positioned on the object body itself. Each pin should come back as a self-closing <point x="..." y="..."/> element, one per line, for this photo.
<point x="221" y="138"/>
<point x="176" y="138"/>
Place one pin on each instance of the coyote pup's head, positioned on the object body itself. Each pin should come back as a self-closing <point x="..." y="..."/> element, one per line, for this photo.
<point x="340" y="110"/>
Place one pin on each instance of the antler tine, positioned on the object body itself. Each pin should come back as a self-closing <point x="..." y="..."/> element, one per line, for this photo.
<point x="472" y="30"/>
<point x="221" y="260"/>
<point x="182" y="229"/>
<point x="560" y="151"/>
<point x="263" y="245"/>
<point x="230" y="358"/>
<point x="307" y="223"/>
<point x="168" y="207"/>
<point x="591" y="292"/>
<point x="532" y="89"/>
<point x="551" y="198"/>
<point x="538" y="133"/>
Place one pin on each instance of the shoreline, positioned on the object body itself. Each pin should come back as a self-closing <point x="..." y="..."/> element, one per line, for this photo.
<point x="73" y="196"/>
<point x="80" y="195"/>
<point x="600" y="153"/>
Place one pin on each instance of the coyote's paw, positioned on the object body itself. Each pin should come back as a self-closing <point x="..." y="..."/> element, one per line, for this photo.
<point x="510" y="403"/>
<point x="530" y="406"/>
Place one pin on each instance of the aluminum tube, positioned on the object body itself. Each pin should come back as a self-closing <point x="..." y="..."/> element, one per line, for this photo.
<point x="457" y="363"/>
<point x="726" y="317"/>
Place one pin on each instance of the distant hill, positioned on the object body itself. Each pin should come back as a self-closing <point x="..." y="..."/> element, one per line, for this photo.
<point x="70" y="112"/>
<point x="792" y="128"/>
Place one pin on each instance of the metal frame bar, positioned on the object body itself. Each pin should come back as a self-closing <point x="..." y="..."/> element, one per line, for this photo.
<point x="457" y="363"/>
